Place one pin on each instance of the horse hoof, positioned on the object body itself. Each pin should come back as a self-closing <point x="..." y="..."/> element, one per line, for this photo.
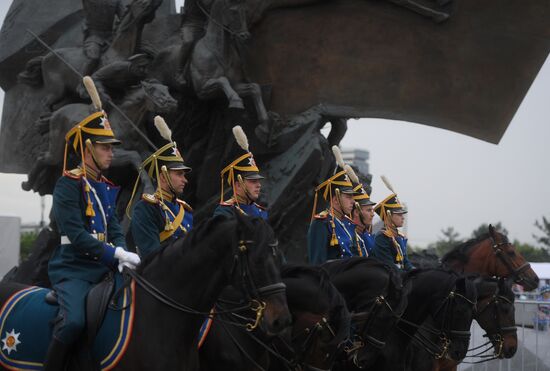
<point x="237" y="104"/>
<point x="440" y="17"/>
<point x="26" y="186"/>
<point x="180" y="79"/>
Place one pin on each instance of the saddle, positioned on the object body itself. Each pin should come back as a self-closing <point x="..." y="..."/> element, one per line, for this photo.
<point x="97" y="302"/>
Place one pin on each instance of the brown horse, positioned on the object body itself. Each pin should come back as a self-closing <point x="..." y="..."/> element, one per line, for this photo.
<point x="492" y="254"/>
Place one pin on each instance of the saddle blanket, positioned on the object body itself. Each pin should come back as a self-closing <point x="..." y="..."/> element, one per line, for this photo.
<point x="26" y="329"/>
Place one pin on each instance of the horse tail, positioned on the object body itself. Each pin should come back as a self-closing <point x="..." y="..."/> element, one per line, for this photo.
<point x="32" y="75"/>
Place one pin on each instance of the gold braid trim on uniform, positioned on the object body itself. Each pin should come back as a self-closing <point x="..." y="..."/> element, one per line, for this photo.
<point x="178" y="219"/>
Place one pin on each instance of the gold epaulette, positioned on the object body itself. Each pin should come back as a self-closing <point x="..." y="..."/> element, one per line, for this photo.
<point x="150" y="198"/>
<point x="229" y="202"/>
<point x="388" y="233"/>
<point x="322" y="215"/>
<point x="74" y="173"/>
<point x="185" y="205"/>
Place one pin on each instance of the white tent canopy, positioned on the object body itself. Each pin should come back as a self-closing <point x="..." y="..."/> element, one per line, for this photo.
<point x="542" y="270"/>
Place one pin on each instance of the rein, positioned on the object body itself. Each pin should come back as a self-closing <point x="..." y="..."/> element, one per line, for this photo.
<point x="445" y="334"/>
<point x="217" y="23"/>
<point x="497" y="337"/>
<point x="254" y="294"/>
<point x="517" y="273"/>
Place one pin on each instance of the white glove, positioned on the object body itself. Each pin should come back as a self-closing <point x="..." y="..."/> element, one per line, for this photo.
<point x="126" y="259"/>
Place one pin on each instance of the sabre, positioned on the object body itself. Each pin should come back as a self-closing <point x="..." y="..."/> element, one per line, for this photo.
<point x="134" y="126"/>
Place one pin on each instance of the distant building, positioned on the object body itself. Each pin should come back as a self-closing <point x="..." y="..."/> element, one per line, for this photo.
<point x="358" y="158"/>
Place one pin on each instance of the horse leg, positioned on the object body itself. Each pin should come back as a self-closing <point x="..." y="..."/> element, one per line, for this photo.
<point x="123" y="157"/>
<point x="423" y="10"/>
<point x="212" y="86"/>
<point x="338" y="129"/>
<point x="51" y="157"/>
<point x="253" y="90"/>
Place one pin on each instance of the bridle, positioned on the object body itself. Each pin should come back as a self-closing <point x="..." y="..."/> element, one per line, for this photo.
<point x="516" y="273"/>
<point x="311" y="333"/>
<point x="497" y="336"/>
<point x="255" y="295"/>
<point x="446" y="332"/>
<point x="361" y="337"/>
<point x="208" y="15"/>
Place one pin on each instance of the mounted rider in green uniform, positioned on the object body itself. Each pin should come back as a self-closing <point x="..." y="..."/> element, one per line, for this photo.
<point x="161" y="217"/>
<point x="363" y="212"/>
<point x="390" y="245"/>
<point x="332" y="233"/>
<point x="243" y="176"/>
<point x="92" y="241"/>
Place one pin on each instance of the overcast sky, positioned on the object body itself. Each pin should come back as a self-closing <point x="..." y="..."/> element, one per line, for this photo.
<point x="446" y="179"/>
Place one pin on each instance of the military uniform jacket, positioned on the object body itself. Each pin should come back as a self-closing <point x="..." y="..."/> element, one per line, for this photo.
<point x="367" y="241"/>
<point x="320" y="235"/>
<point x="148" y="226"/>
<point x="229" y="208"/>
<point x="386" y="249"/>
<point x="88" y="242"/>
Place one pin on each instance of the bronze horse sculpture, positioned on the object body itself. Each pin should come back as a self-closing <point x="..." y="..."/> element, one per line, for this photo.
<point x="140" y="104"/>
<point x="55" y="71"/>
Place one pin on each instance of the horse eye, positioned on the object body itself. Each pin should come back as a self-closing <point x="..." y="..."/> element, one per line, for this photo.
<point x="511" y="253"/>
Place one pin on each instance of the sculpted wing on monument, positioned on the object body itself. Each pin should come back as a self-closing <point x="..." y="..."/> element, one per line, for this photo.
<point x="373" y="59"/>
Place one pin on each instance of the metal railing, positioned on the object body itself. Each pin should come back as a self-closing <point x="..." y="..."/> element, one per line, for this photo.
<point x="533" y="353"/>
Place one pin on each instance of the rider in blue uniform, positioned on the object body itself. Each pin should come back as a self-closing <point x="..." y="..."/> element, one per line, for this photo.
<point x="162" y="217"/>
<point x="363" y="212"/>
<point x="92" y="241"/>
<point x="332" y="233"/>
<point x="390" y="245"/>
<point x="243" y="176"/>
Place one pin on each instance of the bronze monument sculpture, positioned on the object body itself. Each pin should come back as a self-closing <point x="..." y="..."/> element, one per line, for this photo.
<point x="281" y="69"/>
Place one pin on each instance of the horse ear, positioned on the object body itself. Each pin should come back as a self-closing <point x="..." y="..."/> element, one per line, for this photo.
<point x="492" y="230"/>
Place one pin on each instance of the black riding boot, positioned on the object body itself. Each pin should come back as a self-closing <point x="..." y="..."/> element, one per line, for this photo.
<point x="56" y="358"/>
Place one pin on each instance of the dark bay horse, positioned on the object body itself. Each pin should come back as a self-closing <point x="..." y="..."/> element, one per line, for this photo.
<point x="493" y="255"/>
<point x="191" y="273"/>
<point x="375" y="295"/>
<point x="448" y="300"/>
<point x="495" y="314"/>
<point x="320" y="324"/>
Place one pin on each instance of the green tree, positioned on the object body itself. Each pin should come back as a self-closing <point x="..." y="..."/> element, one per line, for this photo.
<point x="544" y="227"/>
<point x="484" y="228"/>
<point x="532" y="253"/>
<point x="445" y="243"/>
<point x="26" y="244"/>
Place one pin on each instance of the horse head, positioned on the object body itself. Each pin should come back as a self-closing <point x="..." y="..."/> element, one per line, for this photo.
<point x="230" y="15"/>
<point x="381" y="315"/>
<point x="452" y="317"/>
<point x="496" y="315"/>
<point x="510" y="262"/>
<point x="321" y="321"/>
<point x="158" y="97"/>
<point x="492" y="254"/>
<point x="256" y="272"/>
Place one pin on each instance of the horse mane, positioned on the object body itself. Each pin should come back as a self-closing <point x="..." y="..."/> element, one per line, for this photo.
<point x="197" y="233"/>
<point x="460" y="252"/>
<point x="345" y="264"/>
<point x="339" y="314"/>
<point x="296" y="270"/>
